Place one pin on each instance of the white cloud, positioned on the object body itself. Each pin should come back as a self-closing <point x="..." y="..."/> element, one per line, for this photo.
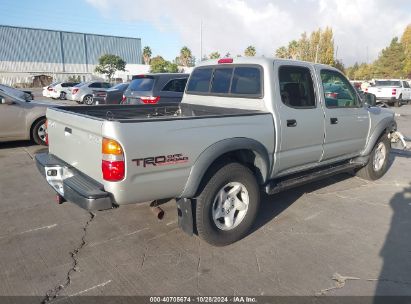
<point x="232" y="25"/>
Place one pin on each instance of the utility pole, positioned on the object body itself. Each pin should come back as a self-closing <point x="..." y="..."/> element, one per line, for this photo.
<point x="201" y="40"/>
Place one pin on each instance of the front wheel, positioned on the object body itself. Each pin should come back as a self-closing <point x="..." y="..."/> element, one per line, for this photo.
<point x="377" y="165"/>
<point x="39" y="132"/>
<point x="227" y="205"/>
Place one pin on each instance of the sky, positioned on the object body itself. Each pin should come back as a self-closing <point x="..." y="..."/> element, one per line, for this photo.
<point x="362" y="28"/>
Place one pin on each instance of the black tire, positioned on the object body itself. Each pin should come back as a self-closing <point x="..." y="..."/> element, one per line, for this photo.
<point x="38" y="132"/>
<point x="88" y="100"/>
<point x="215" y="181"/>
<point x="369" y="171"/>
<point x="398" y="102"/>
<point x="63" y="96"/>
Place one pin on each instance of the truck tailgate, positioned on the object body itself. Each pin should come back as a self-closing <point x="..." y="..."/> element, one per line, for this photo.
<point x="76" y="140"/>
<point x="382" y="92"/>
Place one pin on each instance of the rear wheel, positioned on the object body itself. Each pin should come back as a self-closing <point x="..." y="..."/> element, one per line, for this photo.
<point x="39" y="132"/>
<point x="227" y="204"/>
<point x="88" y="100"/>
<point x="377" y="165"/>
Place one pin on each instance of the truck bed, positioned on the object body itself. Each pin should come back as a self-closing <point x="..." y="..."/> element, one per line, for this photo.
<point x="143" y="113"/>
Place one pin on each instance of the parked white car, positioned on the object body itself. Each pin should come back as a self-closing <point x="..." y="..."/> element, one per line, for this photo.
<point x="62" y="90"/>
<point x="393" y="92"/>
<point x="48" y="89"/>
<point x="83" y="92"/>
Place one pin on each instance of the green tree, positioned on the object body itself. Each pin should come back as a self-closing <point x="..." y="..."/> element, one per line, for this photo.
<point x="214" y="55"/>
<point x="250" y="51"/>
<point x="338" y="64"/>
<point x="406" y="43"/>
<point x="185" y="57"/>
<point x="147" y="54"/>
<point x="293" y="50"/>
<point x="390" y="63"/>
<point x="282" y="52"/>
<point x="108" y="64"/>
<point x="159" y="65"/>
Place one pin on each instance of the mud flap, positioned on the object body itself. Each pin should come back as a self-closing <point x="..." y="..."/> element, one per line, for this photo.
<point x="185" y="215"/>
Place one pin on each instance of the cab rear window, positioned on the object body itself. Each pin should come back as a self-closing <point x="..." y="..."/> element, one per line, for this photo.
<point x="230" y="81"/>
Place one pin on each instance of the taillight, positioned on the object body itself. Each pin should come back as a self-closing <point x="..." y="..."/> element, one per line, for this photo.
<point x="331" y="95"/>
<point x="47" y="132"/>
<point x="112" y="165"/>
<point x="123" y="100"/>
<point x="394" y="92"/>
<point x="150" y="100"/>
<point x="225" y="60"/>
<point x="366" y="90"/>
<point x="49" y="89"/>
<point x="74" y="91"/>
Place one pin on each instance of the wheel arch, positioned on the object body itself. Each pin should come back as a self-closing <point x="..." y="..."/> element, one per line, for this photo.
<point x="33" y="124"/>
<point x="246" y="151"/>
<point x="387" y="125"/>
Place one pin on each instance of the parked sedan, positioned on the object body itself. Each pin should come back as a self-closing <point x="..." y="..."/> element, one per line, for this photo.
<point x="156" y="88"/>
<point x="21" y="120"/>
<point x="83" y="92"/>
<point x="26" y="95"/>
<point x="62" y="90"/>
<point x="113" y="95"/>
<point x="48" y="89"/>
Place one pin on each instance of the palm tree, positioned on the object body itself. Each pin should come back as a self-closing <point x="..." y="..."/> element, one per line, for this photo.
<point x="147" y="54"/>
<point x="215" y="55"/>
<point x="186" y="56"/>
<point x="250" y="51"/>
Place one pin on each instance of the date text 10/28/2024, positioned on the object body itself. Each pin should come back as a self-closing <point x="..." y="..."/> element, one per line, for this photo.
<point x="203" y="299"/>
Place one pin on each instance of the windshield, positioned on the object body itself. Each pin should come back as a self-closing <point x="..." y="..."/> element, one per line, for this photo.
<point x="142" y="84"/>
<point x="5" y="94"/>
<point x="387" y="83"/>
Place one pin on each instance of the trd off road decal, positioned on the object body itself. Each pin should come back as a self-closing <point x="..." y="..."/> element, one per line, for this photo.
<point x="162" y="160"/>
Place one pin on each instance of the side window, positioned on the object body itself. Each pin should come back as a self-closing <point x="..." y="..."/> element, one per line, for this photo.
<point x="175" y="85"/>
<point x="338" y="92"/>
<point x="95" y="85"/>
<point x="200" y="80"/>
<point x="406" y="84"/>
<point x="296" y="87"/>
<point x="221" y="80"/>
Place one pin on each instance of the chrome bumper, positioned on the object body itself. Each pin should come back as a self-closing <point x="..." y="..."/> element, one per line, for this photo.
<point x="73" y="185"/>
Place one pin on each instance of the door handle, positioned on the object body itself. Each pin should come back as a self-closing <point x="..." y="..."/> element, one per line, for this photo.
<point x="291" y="123"/>
<point x="334" y="120"/>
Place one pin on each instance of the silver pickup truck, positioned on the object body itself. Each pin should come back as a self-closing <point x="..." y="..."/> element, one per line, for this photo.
<point x="245" y="125"/>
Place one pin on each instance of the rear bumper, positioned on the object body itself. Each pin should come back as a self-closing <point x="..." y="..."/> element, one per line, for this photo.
<point x="389" y="99"/>
<point x="73" y="185"/>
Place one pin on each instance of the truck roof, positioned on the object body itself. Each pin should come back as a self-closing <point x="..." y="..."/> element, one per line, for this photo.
<point x="263" y="61"/>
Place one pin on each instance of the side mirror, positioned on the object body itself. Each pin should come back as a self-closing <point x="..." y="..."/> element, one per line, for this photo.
<point x="370" y="99"/>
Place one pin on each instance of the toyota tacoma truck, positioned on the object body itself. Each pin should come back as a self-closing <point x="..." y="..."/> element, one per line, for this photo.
<point x="245" y="125"/>
<point x="392" y="92"/>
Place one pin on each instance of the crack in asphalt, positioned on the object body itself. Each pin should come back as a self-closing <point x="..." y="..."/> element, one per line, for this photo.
<point x="53" y="293"/>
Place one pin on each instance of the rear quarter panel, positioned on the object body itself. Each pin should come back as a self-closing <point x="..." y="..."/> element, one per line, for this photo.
<point x="188" y="137"/>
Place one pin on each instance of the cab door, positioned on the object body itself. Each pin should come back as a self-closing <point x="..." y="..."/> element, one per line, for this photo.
<point x="301" y="118"/>
<point x="346" y="118"/>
